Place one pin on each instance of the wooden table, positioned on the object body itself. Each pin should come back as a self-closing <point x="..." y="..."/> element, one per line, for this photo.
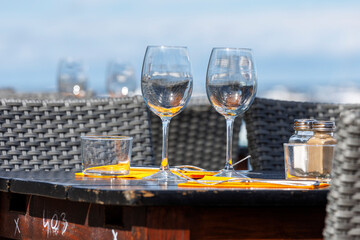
<point x="55" y="205"/>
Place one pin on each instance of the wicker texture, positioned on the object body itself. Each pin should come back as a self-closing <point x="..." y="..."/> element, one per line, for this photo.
<point x="343" y="209"/>
<point x="45" y="134"/>
<point x="197" y="136"/>
<point x="269" y="124"/>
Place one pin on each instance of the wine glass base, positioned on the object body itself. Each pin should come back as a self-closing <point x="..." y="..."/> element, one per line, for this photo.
<point x="165" y="176"/>
<point x="230" y="173"/>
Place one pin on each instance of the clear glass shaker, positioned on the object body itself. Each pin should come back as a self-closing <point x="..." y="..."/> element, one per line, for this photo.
<point x="303" y="131"/>
<point x="298" y="162"/>
<point x="321" y="150"/>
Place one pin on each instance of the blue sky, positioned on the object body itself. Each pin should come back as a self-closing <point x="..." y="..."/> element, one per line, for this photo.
<point x="295" y="43"/>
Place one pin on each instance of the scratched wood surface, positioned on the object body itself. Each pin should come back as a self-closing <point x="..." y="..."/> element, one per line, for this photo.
<point x="35" y="217"/>
<point x="63" y="185"/>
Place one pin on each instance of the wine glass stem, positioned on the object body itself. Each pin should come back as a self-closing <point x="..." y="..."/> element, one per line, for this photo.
<point x="229" y="133"/>
<point x="164" y="162"/>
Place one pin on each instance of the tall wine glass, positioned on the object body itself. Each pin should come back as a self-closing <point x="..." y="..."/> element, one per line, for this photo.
<point x="231" y="85"/>
<point x="120" y="79"/>
<point x="166" y="85"/>
<point x="72" y="78"/>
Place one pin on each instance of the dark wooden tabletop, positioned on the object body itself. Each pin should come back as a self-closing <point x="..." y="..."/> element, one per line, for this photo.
<point x="111" y="191"/>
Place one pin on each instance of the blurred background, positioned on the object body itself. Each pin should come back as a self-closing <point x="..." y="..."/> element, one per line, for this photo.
<point x="304" y="50"/>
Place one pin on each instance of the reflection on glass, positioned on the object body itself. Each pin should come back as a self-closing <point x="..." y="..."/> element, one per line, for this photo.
<point x="120" y="79"/>
<point x="72" y="79"/>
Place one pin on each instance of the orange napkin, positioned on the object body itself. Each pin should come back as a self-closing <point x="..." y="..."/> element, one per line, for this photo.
<point x="139" y="173"/>
<point x="208" y="181"/>
<point x="205" y="179"/>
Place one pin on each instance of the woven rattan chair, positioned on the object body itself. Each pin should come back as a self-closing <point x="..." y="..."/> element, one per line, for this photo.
<point x="269" y="124"/>
<point x="343" y="209"/>
<point x="45" y="134"/>
<point x="197" y="136"/>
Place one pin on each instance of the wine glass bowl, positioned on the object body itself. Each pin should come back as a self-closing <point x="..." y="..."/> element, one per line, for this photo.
<point x="71" y="77"/>
<point x="120" y="79"/>
<point x="166" y="80"/>
<point x="231" y="85"/>
<point x="166" y="85"/>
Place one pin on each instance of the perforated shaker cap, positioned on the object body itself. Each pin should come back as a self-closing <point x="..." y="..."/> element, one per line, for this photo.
<point x="303" y="124"/>
<point x="325" y="126"/>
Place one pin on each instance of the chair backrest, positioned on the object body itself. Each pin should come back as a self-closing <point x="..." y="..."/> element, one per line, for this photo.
<point x="197" y="136"/>
<point x="343" y="212"/>
<point x="45" y="134"/>
<point x="269" y="124"/>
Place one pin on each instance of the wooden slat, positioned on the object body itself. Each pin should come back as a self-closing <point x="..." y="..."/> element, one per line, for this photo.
<point x="168" y="223"/>
<point x="49" y="218"/>
<point x="258" y="223"/>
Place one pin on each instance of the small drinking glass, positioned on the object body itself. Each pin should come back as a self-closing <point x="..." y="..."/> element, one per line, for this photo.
<point x="106" y="155"/>
<point x="72" y="79"/>
<point x="120" y="79"/>
<point x="231" y="84"/>
<point x="166" y="84"/>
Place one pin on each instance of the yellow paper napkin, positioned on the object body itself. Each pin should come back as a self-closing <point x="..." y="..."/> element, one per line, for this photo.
<point x="224" y="182"/>
<point x="139" y="173"/>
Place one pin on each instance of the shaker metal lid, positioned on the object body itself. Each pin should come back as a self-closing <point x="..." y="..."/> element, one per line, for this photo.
<point x="324" y="125"/>
<point x="303" y="124"/>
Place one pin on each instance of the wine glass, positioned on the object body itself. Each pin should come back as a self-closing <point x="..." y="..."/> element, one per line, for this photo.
<point x="120" y="79"/>
<point x="72" y="78"/>
<point x="166" y="85"/>
<point x="231" y="85"/>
